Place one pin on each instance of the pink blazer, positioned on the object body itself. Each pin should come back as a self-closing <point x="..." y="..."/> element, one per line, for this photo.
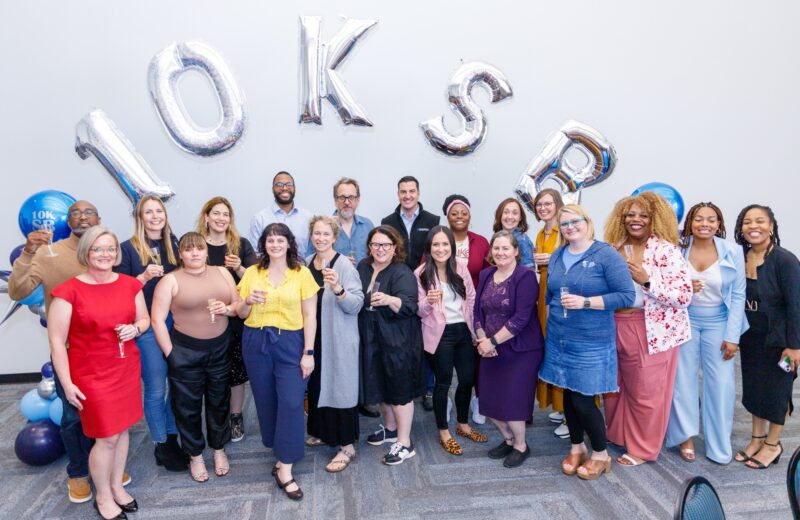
<point x="433" y="319"/>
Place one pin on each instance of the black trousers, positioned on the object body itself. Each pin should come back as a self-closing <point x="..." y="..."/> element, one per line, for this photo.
<point x="455" y="350"/>
<point x="198" y="369"/>
<point x="584" y="417"/>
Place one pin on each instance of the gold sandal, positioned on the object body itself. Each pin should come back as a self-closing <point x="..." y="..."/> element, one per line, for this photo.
<point x="200" y="476"/>
<point x="451" y="446"/>
<point x="337" y="466"/>
<point x="473" y="435"/>
<point x="221" y="464"/>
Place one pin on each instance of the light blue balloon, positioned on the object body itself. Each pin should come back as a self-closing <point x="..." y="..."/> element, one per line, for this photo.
<point x="33" y="407"/>
<point x="56" y="410"/>
<point x="34" y="298"/>
<point x="672" y="195"/>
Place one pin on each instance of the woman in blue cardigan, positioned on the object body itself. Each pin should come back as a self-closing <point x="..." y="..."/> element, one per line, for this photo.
<point x="587" y="280"/>
<point x="717" y="317"/>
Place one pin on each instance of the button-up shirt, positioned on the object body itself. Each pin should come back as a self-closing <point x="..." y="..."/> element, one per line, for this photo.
<point x="297" y="220"/>
<point x="356" y="243"/>
<point x="409" y="221"/>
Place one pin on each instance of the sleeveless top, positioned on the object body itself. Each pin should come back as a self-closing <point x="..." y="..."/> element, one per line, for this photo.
<point x="190" y="305"/>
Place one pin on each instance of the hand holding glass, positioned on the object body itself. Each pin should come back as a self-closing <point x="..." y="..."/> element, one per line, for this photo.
<point x="375" y="288"/>
<point x="211" y="303"/>
<point x="120" y="343"/>
<point x="628" y="248"/>
<point x="49" y="227"/>
<point x="564" y="292"/>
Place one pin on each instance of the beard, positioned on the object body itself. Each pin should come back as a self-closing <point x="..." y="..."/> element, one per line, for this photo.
<point x="347" y="214"/>
<point x="278" y="199"/>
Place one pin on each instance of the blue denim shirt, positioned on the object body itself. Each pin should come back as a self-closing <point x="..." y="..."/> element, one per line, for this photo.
<point x="525" y="248"/>
<point x="356" y="243"/>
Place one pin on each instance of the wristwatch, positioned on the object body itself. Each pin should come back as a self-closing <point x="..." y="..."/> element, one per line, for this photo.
<point x="338" y="293"/>
<point x="309" y="352"/>
<point x="587" y="303"/>
<point x="493" y="341"/>
<point x="646" y="285"/>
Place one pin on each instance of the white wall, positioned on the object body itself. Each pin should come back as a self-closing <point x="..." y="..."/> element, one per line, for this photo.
<point x="700" y="95"/>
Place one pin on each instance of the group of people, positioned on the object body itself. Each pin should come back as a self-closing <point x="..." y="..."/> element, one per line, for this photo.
<point x="338" y="314"/>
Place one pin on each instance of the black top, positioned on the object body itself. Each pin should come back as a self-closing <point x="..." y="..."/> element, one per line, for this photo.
<point x="415" y="247"/>
<point x="756" y="317"/>
<point x="132" y="265"/>
<point x="396" y="329"/>
<point x="779" y="293"/>
<point x="216" y="255"/>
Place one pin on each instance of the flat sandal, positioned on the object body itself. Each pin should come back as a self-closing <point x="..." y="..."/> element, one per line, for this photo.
<point x="337" y="466"/>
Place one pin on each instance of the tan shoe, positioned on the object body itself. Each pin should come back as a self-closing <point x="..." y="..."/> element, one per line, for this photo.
<point x="126" y="479"/>
<point x="79" y="490"/>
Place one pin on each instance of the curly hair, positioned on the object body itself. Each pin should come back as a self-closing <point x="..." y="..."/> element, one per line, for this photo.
<point x="738" y="235"/>
<point x="394" y="237"/>
<point x="663" y="223"/>
<point x="279" y="229"/>
<point x="686" y="232"/>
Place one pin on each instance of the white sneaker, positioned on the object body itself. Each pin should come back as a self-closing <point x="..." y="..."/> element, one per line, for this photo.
<point x="449" y="408"/>
<point x="562" y="432"/>
<point x="398" y="453"/>
<point x="556" y="417"/>
<point x="477" y="418"/>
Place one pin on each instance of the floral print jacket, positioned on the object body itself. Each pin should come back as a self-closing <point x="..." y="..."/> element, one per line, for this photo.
<point x="670" y="293"/>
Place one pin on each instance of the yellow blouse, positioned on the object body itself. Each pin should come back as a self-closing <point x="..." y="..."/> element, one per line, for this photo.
<point x="282" y="309"/>
<point x="545" y="245"/>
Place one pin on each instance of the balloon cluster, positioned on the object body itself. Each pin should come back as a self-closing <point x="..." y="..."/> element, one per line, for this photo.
<point x="48" y="210"/>
<point x="39" y="442"/>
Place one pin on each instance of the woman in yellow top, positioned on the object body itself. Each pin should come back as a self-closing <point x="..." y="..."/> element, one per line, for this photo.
<point x="546" y="205"/>
<point x="280" y="311"/>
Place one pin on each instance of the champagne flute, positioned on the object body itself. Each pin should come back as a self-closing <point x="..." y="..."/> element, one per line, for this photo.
<point x="48" y="226"/>
<point x="326" y="264"/>
<point x="376" y="285"/>
<point x="155" y="254"/>
<point x="628" y="248"/>
<point x="120" y="343"/>
<point x="211" y="302"/>
<point x="564" y="291"/>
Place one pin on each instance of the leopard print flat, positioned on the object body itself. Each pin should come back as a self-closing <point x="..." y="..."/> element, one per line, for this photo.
<point x="474" y="435"/>
<point x="451" y="446"/>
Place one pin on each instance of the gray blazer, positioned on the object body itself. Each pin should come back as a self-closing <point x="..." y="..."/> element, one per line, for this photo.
<point x="339" y="372"/>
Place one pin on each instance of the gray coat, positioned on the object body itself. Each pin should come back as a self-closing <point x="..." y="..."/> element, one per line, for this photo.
<point x="339" y="372"/>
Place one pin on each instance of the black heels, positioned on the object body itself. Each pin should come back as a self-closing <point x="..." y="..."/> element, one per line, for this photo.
<point x="130" y="507"/>
<point x="120" y="516"/>
<point x="754" y="463"/>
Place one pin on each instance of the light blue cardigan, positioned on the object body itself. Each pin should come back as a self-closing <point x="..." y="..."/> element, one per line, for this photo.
<point x="734" y="285"/>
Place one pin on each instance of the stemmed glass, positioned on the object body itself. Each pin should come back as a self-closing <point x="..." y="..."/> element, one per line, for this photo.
<point x="376" y="285"/>
<point x="120" y="343"/>
<point x="49" y="226"/>
<point x="155" y="254"/>
<point x="211" y="302"/>
<point x="564" y="291"/>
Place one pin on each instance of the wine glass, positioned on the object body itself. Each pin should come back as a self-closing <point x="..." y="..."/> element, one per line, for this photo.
<point x="376" y="285"/>
<point x="628" y="248"/>
<point x="49" y="226"/>
<point x="155" y="254"/>
<point x="564" y="291"/>
<point x="211" y="302"/>
<point x="120" y="343"/>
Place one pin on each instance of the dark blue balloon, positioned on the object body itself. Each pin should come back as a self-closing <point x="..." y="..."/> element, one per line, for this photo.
<point x="15" y="253"/>
<point x="39" y="443"/>
<point x="668" y="192"/>
<point x="48" y="205"/>
<point x="47" y="369"/>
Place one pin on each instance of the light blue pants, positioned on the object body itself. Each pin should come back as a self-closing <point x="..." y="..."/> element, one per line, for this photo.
<point x="157" y="408"/>
<point x="719" y="386"/>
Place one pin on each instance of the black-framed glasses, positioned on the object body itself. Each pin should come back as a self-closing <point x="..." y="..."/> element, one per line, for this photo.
<point x="377" y="246"/>
<point x="281" y="185"/>
<point x="347" y="198"/>
<point x="77" y="213"/>
<point x="570" y="223"/>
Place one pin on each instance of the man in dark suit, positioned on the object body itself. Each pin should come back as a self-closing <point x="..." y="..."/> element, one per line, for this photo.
<point x="410" y="220"/>
<point x="413" y="224"/>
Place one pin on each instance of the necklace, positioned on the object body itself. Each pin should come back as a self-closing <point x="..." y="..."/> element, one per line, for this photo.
<point x="214" y="242"/>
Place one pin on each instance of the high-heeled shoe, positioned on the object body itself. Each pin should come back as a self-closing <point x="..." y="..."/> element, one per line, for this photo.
<point x="757" y="464"/>
<point x="594" y="468"/>
<point x="120" y="516"/>
<point x="130" y="507"/>
<point x="297" y="494"/>
<point x="741" y="455"/>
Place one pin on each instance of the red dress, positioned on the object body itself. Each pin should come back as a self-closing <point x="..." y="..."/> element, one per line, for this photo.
<point x="112" y="385"/>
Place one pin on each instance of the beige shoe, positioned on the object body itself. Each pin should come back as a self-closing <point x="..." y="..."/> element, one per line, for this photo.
<point x="79" y="490"/>
<point x="126" y="479"/>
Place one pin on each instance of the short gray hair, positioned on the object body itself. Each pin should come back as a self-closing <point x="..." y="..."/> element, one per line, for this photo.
<point x="346" y="180"/>
<point x="88" y="239"/>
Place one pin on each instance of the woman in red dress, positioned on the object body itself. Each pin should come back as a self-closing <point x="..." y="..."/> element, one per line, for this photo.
<point x="99" y="313"/>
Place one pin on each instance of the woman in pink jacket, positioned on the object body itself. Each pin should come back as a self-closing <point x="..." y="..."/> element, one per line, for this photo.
<point x="446" y="298"/>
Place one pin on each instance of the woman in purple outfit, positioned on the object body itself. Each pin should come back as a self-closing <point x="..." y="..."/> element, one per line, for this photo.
<point x="510" y="342"/>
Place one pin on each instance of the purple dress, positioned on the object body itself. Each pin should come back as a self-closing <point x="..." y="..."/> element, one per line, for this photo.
<point x="508" y="381"/>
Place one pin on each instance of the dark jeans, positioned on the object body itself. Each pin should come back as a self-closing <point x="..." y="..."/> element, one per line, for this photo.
<point x="200" y="368"/>
<point x="454" y="351"/>
<point x="584" y="417"/>
<point x="76" y="443"/>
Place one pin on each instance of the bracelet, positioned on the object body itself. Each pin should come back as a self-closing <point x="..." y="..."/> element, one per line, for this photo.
<point x="493" y="341"/>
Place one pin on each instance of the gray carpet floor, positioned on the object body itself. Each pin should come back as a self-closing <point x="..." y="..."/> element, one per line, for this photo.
<point x="431" y="485"/>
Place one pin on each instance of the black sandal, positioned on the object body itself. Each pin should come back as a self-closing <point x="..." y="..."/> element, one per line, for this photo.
<point x="741" y="456"/>
<point x="757" y="464"/>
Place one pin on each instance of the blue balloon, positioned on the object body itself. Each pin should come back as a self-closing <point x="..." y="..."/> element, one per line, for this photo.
<point x="12" y="257"/>
<point x="34" y="298"/>
<point x="668" y="192"/>
<point x="39" y="443"/>
<point x="48" y="205"/>
<point x="33" y="407"/>
<point x="47" y="369"/>
<point x="56" y="410"/>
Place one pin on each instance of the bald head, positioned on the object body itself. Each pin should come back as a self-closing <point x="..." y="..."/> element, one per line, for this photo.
<point x="82" y="215"/>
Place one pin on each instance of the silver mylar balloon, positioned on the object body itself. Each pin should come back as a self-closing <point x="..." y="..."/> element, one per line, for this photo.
<point x="166" y="68"/>
<point x="34" y="308"/>
<point x="97" y="135"/>
<point x="552" y="164"/>
<point x="46" y="388"/>
<point x="13" y="307"/>
<point x="459" y="95"/>
<point x="319" y="78"/>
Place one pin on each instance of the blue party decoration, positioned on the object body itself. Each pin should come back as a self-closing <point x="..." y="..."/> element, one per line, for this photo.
<point x="34" y="298"/>
<point x="668" y="192"/>
<point x="49" y="206"/>
<point x="33" y="407"/>
<point x="39" y="443"/>
<point x="56" y="410"/>
<point x="12" y="257"/>
<point x="47" y="369"/>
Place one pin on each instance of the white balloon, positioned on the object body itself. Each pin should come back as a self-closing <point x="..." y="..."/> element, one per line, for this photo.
<point x="165" y="69"/>
<point x="459" y="95"/>
<point x="97" y="135"/>
<point x="318" y="76"/>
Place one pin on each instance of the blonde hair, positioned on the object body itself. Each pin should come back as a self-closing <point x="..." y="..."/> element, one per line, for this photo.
<point x="88" y="239"/>
<point x="139" y="239"/>
<point x="327" y="220"/>
<point x="232" y="240"/>
<point x="574" y="209"/>
<point x="663" y="223"/>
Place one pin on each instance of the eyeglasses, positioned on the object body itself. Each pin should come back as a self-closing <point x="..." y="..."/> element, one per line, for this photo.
<point x="377" y="246"/>
<point x="76" y="213"/>
<point x="347" y="198"/>
<point x="97" y="250"/>
<point x="570" y="223"/>
<point x="540" y="205"/>
<point x="281" y="185"/>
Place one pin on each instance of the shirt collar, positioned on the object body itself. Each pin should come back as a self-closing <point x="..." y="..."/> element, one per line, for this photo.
<point x="277" y="209"/>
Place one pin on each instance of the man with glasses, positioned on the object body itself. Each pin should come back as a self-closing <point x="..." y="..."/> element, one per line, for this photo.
<point x="36" y="266"/>
<point x="352" y="241"/>
<point x="282" y="210"/>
